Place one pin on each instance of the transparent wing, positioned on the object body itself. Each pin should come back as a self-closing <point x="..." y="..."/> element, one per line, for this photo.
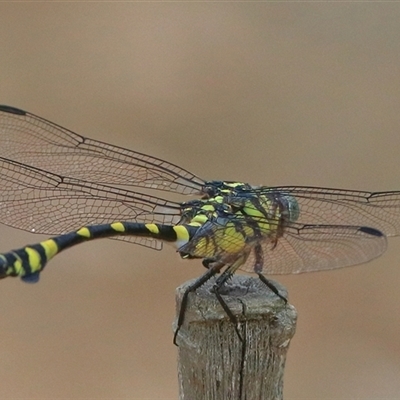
<point x="42" y="202"/>
<point x="380" y="210"/>
<point x="306" y="248"/>
<point x="300" y="248"/>
<point x="32" y="140"/>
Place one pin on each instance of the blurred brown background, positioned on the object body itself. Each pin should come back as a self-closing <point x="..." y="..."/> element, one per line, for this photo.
<point x="279" y="93"/>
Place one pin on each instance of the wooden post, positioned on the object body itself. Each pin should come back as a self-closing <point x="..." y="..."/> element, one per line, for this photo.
<point x="213" y="364"/>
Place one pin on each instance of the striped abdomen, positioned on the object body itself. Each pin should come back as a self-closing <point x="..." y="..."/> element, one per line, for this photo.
<point x="28" y="261"/>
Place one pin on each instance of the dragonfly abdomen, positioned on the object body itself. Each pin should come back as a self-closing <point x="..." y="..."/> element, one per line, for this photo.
<point x="27" y="262"/>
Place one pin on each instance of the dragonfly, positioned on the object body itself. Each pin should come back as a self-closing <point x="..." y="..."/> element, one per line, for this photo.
<point x="77" y="189"/>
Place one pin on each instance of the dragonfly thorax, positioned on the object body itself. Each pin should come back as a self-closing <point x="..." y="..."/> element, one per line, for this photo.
<point x="212" y="189"/>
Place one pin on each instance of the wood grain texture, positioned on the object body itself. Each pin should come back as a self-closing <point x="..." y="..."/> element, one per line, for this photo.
<point x="213" y="363"/>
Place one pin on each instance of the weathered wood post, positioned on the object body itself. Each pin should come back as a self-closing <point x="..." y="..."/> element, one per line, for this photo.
<point x="213" y="364"/>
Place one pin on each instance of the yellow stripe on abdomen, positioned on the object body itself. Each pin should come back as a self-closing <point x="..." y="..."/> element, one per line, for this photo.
<point x="182" y="235"/>
<point x="50" y="248"/>
<point x="34" y="259"/>
<point x="16" y="267"/>
<point x="153" y="228"/>
<point x="118" y="227"/>
<point x="85" y="232"/>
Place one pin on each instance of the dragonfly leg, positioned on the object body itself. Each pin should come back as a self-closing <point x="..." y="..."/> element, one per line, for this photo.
<point x="212" y="269"/>
<point x="258" y="267"/>
<point x="271" y="286"/>
<point x="221" y="281"/>
<point x="207" y="262"/>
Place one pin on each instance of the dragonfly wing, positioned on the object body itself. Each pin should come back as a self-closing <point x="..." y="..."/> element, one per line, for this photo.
<point x="380" y="210"/>
<point x="42" y="202"/>
<point x="32" y="140"/>
<point x="306" y="248"/>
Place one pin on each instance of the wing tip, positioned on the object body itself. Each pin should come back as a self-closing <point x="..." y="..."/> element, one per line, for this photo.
<point x="12" y="110"/>
<point x="371" y="231"/>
